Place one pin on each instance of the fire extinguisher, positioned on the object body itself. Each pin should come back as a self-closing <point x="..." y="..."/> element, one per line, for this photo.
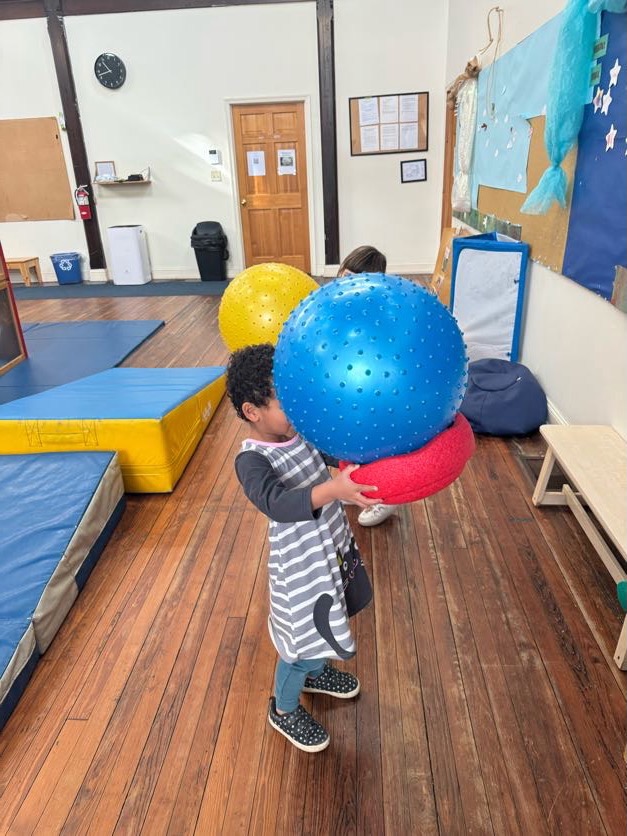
<point x="81" y="196"/>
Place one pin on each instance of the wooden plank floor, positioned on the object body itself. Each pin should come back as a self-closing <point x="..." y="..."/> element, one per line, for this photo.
<point x="489" y="700"/>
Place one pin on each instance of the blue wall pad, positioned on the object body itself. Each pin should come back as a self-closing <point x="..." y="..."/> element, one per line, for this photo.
<point x="59" y="352"/>
<point x="57" y="511"/>
<point x="153" y="418"/>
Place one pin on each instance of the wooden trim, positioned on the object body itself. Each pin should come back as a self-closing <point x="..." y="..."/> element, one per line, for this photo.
<point x="91" y="7"/>
<point x="65" y="79"/>
<point x="328" y="130"/>
<point x="447" y="176"/>
<point x="22" y="9"/>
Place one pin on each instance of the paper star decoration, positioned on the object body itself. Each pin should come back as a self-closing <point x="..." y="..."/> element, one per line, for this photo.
<point x="610" y="136"/>
<point x="607" y="101"/>
<point x="598" y="99"/>
<point x="614" y="73"/>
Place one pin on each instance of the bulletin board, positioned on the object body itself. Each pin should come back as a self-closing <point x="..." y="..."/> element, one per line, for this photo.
<point x="34" y="184"/>
<point x="587" y="239"/>
<point x="596" y="246"/>
<point x="545" y="233"/>
<point x="395" y="123"/>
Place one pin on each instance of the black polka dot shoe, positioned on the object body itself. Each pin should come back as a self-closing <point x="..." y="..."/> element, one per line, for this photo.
<point x="333" y="682"/>
<point x="300" y="728"/>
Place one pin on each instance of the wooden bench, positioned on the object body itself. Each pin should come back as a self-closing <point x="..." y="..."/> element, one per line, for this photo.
<point x="594" y="458"/>
<point x="25" y="265"/>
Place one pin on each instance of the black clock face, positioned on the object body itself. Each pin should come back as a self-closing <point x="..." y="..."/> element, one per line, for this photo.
<point x="110" y="70"/>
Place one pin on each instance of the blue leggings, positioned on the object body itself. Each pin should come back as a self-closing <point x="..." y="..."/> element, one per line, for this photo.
<point x="290" y="678"/>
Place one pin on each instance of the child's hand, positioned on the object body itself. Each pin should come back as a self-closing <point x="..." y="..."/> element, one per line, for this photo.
<point x="342" y="487"/>
<point x="352" y="491"/>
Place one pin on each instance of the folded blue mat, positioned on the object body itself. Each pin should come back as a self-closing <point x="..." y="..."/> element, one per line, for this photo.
<point x="57" y="512"/>
<point x="59" y="352"/>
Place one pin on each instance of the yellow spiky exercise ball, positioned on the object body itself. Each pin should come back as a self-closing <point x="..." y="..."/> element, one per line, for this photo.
<point x="258" y="301"/>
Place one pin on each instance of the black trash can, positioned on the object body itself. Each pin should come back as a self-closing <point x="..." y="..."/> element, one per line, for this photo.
<point x="210" y="245"/>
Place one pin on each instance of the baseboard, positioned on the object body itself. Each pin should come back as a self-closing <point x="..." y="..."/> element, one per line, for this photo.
<point x="185" y="275"/>
<point x="89" y="276"/>
<point x="97" y="277"/>
<point x="555" y="416"/>
<point x="182" y="273"/>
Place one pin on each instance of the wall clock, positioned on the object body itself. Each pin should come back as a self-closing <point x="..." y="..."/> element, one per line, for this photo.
<point x="110" y="70"/>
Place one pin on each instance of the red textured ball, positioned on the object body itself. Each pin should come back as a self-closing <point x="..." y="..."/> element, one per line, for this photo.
<point x="421" y="473"/>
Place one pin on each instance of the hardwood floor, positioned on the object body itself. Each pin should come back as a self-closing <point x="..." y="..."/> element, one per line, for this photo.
<point x="489" y="704"/>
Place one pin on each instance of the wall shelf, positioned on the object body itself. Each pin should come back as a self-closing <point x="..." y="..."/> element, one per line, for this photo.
<point x="121" y="182"/>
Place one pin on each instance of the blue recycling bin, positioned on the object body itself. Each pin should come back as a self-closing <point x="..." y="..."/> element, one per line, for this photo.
<point x="67" y="266"/>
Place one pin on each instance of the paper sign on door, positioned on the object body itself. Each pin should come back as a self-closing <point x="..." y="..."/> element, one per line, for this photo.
<point x="256" y="163"/>
<point x="287" y="161"/>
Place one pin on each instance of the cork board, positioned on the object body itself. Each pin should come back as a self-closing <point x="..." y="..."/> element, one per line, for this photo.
<point x="440" y="283"/>
<point x="34" y="184"/>
<point x="547" y="233"/>
<point x="395" y="123"/>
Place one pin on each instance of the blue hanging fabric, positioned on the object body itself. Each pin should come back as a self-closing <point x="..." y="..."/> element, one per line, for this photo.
<point x="595" y="6"/>
<point x="569" y="83"/>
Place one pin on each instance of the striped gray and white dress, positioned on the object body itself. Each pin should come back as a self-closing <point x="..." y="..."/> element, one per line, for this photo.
<point x="303" y="567"/>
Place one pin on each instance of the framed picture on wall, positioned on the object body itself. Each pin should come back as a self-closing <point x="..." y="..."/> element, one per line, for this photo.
<point x="413" y="171"/>
<point x="105" y="171"/>
<point x="389" y="124"/>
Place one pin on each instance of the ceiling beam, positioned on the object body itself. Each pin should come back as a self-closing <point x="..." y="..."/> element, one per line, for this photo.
<point x="19" y="9"/>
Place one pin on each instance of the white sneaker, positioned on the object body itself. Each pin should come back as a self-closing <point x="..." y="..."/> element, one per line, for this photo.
<point x="375" y="514"/>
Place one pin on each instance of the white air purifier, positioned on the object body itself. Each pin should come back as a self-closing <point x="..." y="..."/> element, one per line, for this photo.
<point x="129" y="262"/>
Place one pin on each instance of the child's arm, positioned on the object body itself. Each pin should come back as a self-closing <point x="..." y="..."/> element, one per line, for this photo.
<point x="265" y="490"/>
<point x="267" y="493"/>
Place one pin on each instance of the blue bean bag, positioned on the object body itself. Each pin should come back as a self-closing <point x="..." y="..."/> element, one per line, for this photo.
<point x="503" y="398"/>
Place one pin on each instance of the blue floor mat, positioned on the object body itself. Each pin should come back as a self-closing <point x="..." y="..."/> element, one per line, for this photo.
<point x="57" y="512"/>
<point x="59" y="352"/>
<point x="84" y="290"/>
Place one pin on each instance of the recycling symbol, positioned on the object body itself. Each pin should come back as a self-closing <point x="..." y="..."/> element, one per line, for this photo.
<point x="65" y="264"/>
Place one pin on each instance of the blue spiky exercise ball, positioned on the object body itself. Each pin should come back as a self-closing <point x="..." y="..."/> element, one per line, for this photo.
<point x="370" y="366"/>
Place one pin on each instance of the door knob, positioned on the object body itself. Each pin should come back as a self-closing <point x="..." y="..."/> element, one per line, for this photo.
<point x="243" y="201"/>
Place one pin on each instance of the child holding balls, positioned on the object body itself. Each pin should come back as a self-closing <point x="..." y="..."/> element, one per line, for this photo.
<point x="367" y="259"/>
<point x="317" y="579"/>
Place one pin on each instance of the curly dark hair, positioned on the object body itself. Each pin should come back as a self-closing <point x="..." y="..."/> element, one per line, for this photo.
<point x="249" y="376"/>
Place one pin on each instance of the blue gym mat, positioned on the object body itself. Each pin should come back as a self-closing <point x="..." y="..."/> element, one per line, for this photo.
<point x="57" y="512"/>
<point x="60" y="352"/>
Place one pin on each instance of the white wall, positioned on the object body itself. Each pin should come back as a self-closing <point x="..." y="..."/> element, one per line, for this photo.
<point x="184" y="67"/>
<point x="574" y="341"/>
<point x="28" y="89"/>
<point x="390" y="48"/>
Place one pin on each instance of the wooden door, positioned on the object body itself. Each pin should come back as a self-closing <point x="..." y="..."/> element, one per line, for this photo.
<point x="272" y="180"/>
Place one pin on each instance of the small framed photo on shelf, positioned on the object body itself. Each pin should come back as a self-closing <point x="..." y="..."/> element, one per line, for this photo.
<point x="105" y="171"/>
<point x="413" y="171"/>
